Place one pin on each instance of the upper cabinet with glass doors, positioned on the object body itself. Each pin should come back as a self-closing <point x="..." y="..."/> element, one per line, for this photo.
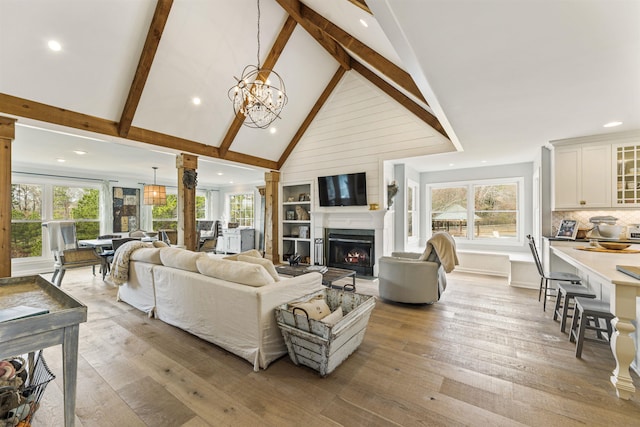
<point x="627" y="180"/>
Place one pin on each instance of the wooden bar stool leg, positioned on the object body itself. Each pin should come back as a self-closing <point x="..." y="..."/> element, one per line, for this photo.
<point x="582" y="323"/>
<point x="574" y="325"/>
<point x="565" y="313"/>
<point x="557" y="307"/>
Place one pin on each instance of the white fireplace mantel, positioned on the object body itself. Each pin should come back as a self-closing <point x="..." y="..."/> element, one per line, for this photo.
<point x="348" y="218"/>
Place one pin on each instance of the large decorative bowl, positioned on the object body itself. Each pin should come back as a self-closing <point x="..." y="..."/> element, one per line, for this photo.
<point x="614" y="246"/>
<point x="610" y="231"/>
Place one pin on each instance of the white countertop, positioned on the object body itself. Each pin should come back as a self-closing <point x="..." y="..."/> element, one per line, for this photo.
<point x="603" y="263"/>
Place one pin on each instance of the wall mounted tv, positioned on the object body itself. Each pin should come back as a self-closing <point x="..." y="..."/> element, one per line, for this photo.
<point x="343" y="190"/>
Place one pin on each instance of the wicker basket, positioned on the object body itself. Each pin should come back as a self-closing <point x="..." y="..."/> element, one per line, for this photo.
<point x="321" y="346"/>
<point x="19" y="403"/>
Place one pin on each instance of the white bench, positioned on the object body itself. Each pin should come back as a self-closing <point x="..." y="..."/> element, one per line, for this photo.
<point x="518" y="267"/>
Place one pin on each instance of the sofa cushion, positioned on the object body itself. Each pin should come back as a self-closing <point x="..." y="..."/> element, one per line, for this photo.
<point x="234" y="271"/>
<point x="159" y="244"/>
<point x="266" y="263"/>
<point x="334" y="317"/>
<point x="251" y="252"/>
<point x="180" y="258"/>
<point x="150" y="255"/>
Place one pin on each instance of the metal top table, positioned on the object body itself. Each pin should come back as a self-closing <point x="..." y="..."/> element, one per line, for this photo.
<point x="59" y="326"/>
<point x="328" y="277"/>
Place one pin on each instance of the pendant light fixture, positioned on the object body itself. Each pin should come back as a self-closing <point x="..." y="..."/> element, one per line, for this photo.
<point x="155" y="194"/>
<point x="259" y="99"/>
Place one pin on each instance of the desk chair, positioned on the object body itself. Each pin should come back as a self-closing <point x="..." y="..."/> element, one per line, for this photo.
<point x="64" y="245"/>
<point x="552" y="276"/>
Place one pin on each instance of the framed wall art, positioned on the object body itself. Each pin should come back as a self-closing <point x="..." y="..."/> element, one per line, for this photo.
<point x="126" y="209"/>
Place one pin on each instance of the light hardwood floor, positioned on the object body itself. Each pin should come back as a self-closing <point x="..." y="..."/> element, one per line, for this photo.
<point x="485" y="355"/>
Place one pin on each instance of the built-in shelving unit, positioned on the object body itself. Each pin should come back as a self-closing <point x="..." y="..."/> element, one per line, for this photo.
<point x="296" y="225"/>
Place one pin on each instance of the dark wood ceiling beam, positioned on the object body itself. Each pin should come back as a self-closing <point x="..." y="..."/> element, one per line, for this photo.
<point x="386" y="67"/>
<point x="362" y="5"/>
<point x="292" y="7"/>
<point x="269" y="63"/>
<point x="312" y="114"/>
<point x="400" y="97"/>
<point x="59" y="116"/>
<point x="160" y="16"/>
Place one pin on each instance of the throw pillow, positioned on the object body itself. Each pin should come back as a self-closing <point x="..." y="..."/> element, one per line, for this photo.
<point x="251" y="252"/>
<point x="334" y="317"/>
<point x="159" y="244"/>
<point x="234" y="271"/>
<point x="180" y="258"/>
<point x="316" y="308"/>
<point x="150" y="255"/>
<point x="266" y="263"/>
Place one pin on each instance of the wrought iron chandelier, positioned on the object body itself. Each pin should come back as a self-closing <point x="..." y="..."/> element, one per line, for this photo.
<point x="259" y="93"/>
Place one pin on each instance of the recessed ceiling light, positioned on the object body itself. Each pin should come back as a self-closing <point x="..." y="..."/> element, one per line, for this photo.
<point x="80" y="152"/>
<point x="54" y="46"/>
<point x="220" y="173"/>
<point x="364" y="23"/>
<point x="196" y="100"/>
<point x="451" y="164"/>
<point x="61" y="160"/>
<point x="483" y="161"/>
<point x="612" y="124"/>
<point x="273" y="130"/>
<point x="230" y="182"/>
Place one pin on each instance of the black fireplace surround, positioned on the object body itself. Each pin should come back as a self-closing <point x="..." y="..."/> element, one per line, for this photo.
<point x="353" y="249"/>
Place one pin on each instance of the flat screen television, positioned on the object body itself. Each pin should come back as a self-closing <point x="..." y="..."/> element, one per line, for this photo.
<point x="343" y="190"/>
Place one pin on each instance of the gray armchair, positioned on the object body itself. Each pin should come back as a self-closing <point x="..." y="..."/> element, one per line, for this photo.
<point x="404" y="278"/>
<point x="418" y="278"/>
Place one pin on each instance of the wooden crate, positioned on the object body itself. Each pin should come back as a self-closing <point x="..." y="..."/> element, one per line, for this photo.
<point x="318" y="345"/>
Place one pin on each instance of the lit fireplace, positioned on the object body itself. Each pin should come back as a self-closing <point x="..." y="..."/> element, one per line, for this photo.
<point x="351" y="249"/>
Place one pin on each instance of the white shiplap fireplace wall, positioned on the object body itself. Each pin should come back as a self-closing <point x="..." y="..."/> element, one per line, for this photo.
<point x="357" y="129"/>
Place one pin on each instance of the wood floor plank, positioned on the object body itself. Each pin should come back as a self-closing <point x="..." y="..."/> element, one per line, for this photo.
<point x="485" y="354"/>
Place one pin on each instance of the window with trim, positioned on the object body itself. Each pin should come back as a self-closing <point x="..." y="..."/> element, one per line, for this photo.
<point x="81" y="205"/>
<point x="413" y="216"/>
<point x="166" y="217"/>
<point x="26" y="220"/>
<point x="489" y="210"/>
<point x="241" y="209"/>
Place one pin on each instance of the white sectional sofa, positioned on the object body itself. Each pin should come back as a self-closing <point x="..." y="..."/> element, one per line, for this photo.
<point x="229" y="303"/>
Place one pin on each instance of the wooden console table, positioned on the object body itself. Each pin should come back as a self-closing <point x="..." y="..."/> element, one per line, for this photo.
<point x="59" y="326"/>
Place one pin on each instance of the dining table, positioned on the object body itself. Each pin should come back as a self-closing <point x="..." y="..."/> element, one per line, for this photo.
<point x="599" y="272"/>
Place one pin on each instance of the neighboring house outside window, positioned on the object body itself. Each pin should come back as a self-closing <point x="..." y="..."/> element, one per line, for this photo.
<point x="241" y="209"/>
<point x="488" y="210"/>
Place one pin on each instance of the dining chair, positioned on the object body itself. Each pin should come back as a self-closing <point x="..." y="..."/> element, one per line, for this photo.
<point x="553" y="276"/>
<point x="66" y="252"/>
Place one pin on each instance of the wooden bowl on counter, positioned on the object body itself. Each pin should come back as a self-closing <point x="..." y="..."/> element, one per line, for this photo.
<point x="582" y="233"/>
<point x="614" y="245"/>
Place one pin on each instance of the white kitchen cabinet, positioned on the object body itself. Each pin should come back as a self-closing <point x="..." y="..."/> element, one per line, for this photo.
<point x="627" y="175"/>
<point x="582" y="176"/>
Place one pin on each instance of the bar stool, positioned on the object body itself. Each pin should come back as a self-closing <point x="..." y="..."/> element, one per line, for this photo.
<point x="567" y="292"/>
<point x="589" y="310"/>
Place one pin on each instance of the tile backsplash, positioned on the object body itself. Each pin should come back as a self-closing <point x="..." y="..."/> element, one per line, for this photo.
<point x="625" y="217"/>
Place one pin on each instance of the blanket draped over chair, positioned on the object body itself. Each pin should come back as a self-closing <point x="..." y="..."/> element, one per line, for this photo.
<point x="445" y="249"/>
<point x="120" y="267"/>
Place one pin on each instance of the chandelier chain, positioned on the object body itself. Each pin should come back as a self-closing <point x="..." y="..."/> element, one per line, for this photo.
<point x="258" y="55"/>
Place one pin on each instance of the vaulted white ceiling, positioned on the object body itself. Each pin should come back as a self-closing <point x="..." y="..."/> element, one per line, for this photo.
<point x="502" y="77"/>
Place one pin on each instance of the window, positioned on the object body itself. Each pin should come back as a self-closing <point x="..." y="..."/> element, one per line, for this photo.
<point x="166" y="217"/>
<point x="482" y="211"/>
<point x="241" y="209"/>
<point x="26" y="220"/>
<point x="81" y="205"/>
<point x="412" y="211"/>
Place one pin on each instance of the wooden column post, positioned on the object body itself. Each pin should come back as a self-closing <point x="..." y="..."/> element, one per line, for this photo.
<point x="7" y="135"/>
<point x="271" y="219"/>
<point x="187" y="180"/>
